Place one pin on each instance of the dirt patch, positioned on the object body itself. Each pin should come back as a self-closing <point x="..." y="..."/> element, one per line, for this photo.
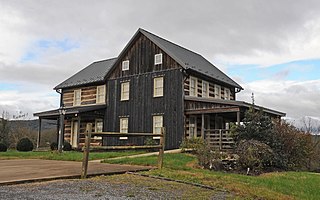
<point x="123" y="186"/>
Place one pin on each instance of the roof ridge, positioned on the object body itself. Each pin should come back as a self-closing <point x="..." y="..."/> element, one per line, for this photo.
<point x="170" y="42"/>
<point x="105" y="60"/>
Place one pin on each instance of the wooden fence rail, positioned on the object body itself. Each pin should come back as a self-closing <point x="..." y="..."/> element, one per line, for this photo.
<point x="219" y="139"/>
<point x="89" y="134"/>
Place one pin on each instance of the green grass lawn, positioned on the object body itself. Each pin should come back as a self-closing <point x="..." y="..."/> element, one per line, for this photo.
<point x="66" y="155"/>
<point x="279" y="185"/>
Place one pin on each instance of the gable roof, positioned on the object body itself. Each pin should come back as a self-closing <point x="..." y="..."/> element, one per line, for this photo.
<point x="95" y="72"/>
<point x="189" y="60"/>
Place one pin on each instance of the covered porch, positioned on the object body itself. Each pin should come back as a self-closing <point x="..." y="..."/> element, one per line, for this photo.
<point x="211" y="119"/>
<point x="71" y="124"/>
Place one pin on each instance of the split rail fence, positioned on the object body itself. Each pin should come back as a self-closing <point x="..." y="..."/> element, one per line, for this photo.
<point x="219" y="139"/>
<point x="89" y="134"/>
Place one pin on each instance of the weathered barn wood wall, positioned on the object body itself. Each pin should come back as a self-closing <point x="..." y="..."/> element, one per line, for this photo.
<point x="141" y="107"/>
<point x="141" y="59"/>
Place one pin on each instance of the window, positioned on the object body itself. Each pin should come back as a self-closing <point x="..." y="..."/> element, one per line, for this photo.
<point x="193" y="86"/>
<point x="205" y="89"/>
<point x="158" y="59"/>
<point x="157" y="125"/>
<point x="158" y="87"/>
<point x="125" y="91"/>
<point x="124" y="127"/>
<point x="100" y="96"/>
<point x="77" y="97"/>
<point x="125" y="65"/>
<point x="226" y="93"/>
<point x="98" y="128"/>
<point x="99" y="125"/>
<point x="192" y="127"/>
<point x="217" y="91"/>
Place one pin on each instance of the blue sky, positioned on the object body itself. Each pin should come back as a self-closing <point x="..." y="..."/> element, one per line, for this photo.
<point x="37" y="48"/>
<point x="301" y="70"/>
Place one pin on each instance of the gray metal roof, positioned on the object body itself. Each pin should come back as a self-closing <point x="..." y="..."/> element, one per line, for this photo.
<point x="235" y="103"/>
<point x="95" y="72"/>
<point x="189" y="59"/>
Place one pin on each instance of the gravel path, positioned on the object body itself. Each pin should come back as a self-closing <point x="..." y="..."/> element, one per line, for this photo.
<point x="108" y="187"/>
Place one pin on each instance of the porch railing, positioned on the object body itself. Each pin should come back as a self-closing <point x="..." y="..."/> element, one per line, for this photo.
<point x="219" y="139"/>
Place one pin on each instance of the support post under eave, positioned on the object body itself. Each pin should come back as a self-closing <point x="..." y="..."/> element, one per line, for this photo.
<point x="39" y="133"/>
<point x="202" y="126"/>
<point x="61" y="132"/>
<point x="238" y="118"/>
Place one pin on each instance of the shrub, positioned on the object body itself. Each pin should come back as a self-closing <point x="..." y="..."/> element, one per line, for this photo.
<point x="67" y="146"/>
<point x="53" y="146"/>
<point x="24" y="144"/>
<point x="3" y="147"/>
<point x="192" y="143"/>
<point x="254" y="155"/>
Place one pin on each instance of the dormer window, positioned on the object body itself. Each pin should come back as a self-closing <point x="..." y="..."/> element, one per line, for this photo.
<point x="158" y="59"/>
<point x="125" y="65"/>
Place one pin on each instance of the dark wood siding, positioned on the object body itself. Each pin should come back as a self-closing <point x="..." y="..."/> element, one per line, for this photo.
<point x="141" y="106"/>
<point x="141" y="59"/>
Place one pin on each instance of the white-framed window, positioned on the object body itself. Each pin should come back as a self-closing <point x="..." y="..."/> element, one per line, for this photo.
<point x="205" y="89"/>
<point x="99" y="125"/>
<point x="193" y="86"/>
<point x="217" y="91"/>
<point x="125" y="65"/>
<point x="125" y="87"/>
<point x="98" y="128"/>
<point x="158" y="59"/>
<point x="101" y="94"/>
<point x="192" y="127"/>
<point x="158" y="86"/>
<point x="157" y="125"/>
<point x="77" y="97"/>
<point x="124" y="121"/>
<point x="226" y="93"/>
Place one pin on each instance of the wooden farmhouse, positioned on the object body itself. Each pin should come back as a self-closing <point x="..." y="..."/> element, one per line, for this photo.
<point x="153" y="83"/>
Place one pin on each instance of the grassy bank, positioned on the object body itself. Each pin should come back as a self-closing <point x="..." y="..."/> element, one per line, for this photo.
<point x="284" y="185"/>
<point x="66" y="155"/>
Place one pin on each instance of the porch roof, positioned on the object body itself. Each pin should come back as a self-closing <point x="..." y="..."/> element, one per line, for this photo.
<point x="54" y="114"/>
<point x="232" y="106"/>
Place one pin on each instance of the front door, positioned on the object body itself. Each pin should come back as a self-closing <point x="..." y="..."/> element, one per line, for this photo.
<point x="74" y="134"/>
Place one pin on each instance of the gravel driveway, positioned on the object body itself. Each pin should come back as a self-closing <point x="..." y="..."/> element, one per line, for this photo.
<point x="124" y="186"/>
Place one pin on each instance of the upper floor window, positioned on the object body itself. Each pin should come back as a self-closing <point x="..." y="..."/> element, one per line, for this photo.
<point x="157" y="125"/>
<point x="101" y="94"/>
<point x="193" y="86"/>
<point x="125" y="65"/>
<point x="205" y="89"/>
<point x="226" y="93"/>
<point x="217" y="91"/>
<point x="158" y="59"/>
<point x="125" y="91"/>
<point x="77" y="97"/>
<point x="158" y="87"/>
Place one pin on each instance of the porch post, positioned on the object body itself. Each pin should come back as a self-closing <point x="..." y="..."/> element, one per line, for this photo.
<point x="39" y="133"/>
<point x="202" y="126"/>
<point x="238" y="118"/>
<point x="61" y="130"/>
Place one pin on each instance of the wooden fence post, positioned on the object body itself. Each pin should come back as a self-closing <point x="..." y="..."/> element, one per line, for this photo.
<point x="161" y="150"/>
<point x="220" y="139"/>
<point x="86" y="150"/>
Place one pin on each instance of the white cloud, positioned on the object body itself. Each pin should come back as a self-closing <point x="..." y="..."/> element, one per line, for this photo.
<point x="295" y="98"/>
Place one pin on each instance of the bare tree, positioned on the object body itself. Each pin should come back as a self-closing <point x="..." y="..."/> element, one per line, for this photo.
<point x="4" y="128"/>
